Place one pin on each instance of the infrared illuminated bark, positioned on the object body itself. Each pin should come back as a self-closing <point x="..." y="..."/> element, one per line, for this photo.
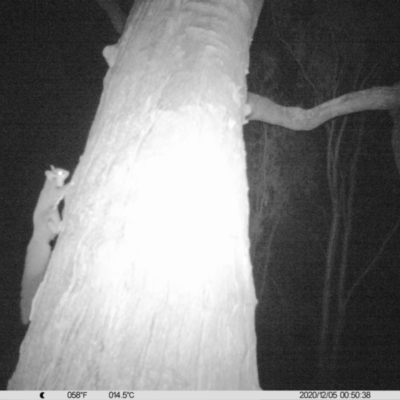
<point x="150" y="284"/>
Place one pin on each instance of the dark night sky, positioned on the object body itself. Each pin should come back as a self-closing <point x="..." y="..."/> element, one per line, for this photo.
<point x="51" y="73"/>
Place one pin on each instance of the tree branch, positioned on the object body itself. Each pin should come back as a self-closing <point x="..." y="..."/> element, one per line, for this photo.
<point x="299" y="119"/>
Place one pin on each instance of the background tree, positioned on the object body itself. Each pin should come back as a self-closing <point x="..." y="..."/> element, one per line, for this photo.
<point x="326" y="56"/>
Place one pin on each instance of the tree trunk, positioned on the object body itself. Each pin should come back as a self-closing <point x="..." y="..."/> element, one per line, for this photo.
<point x="150" y="284"/>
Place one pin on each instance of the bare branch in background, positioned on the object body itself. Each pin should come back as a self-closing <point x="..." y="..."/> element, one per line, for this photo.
<point x="299" y="119"/>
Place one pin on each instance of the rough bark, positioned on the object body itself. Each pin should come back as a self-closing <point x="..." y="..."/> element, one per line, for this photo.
<point x="150" y="284"/>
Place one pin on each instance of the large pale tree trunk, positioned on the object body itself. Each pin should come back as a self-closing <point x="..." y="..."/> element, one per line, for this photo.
<point x="150" y="284"/>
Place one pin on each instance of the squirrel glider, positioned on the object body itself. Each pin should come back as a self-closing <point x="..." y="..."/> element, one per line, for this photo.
<point x="46" y="227"/>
